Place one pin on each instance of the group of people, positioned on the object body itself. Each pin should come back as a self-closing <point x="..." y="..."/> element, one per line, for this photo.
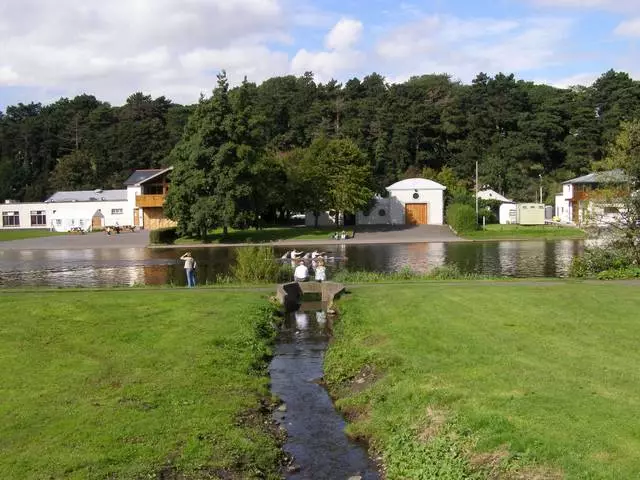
<point x="302" y="272"/>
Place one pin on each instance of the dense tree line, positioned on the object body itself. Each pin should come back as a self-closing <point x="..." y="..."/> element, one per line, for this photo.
<point x="520" y="133"/>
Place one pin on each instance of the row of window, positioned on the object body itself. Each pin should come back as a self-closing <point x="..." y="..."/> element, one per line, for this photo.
<point x="12" y="219"/>
<point x="38" y="218"/>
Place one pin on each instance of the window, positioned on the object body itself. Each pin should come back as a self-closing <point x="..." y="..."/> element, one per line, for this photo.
<point x="38" y="218"/>
<point x="153" y="189"/>
<point x="10" y="219"/>
<point x="416" y="196"/>
<point x="117" y="211"/>
<point x="382" y="212"/>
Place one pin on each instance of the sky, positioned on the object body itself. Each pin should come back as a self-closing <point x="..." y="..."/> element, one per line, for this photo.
<point x="113" y="48"/>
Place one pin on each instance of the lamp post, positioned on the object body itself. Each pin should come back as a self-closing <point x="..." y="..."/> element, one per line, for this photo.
<point x="541" y="201"/>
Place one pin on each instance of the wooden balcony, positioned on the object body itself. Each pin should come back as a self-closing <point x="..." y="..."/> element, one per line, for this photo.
<point x="149" y="201"/>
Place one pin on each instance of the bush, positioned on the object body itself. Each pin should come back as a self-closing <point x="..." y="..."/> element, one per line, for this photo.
<point x="256" y="265"/>
<point x="462" y="217"/>
<point x="164" y="236"/>
<point x="595" y="261"/>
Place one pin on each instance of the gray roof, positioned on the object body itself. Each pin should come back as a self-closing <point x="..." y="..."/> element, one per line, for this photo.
<point x="140" y="176"/>
<point x="88" y="196"/>
<point x="612" y="176"/>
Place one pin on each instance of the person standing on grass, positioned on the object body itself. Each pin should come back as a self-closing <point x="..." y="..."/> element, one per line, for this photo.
<point x="189" y="269"/>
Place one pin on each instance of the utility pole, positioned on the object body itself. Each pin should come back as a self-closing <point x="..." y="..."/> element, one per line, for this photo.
<point x="477" y="210"/>
<point x="541" y="201"/>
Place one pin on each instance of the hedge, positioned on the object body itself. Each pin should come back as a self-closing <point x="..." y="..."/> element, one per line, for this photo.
<point x="462" y="217"/>
<point x="164" y="236"/>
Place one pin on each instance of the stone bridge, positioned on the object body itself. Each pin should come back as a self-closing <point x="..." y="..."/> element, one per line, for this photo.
<point x="290" y="294"/>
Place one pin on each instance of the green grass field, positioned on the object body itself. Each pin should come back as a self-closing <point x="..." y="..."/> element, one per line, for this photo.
<point x="7" y="235"/>
<point x="509" y="381"/>
<point x="517" y="232"/>
<point x="270" y="234"/>
<point x="134" y="384"/>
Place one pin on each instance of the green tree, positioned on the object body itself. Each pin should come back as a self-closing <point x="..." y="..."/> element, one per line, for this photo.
<point x="75" y="171"/>
<point x="211" y="181"/>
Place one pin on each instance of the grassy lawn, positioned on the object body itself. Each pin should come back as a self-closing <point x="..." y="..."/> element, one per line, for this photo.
<point x="515" y="232"/>
<point x="134" y="384"/>
<point x="270" y="234"/>
<point x="7" y="235"/>
<point x="501" y="381"/>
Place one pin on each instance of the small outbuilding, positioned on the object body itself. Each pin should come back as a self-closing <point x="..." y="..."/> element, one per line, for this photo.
<point x="415" y="201"/>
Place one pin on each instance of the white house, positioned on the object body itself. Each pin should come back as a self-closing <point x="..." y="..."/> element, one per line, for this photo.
<point x="489" y="194"/>
<point x="579" y="202"/>
<point x="415" y="201"/>
<point x="140" y="205"/>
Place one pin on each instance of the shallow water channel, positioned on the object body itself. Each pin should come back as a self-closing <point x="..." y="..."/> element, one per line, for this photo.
<point x="316" y="438"/>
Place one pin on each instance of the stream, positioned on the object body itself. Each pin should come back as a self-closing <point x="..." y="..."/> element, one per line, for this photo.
<point x="316" y="438"/>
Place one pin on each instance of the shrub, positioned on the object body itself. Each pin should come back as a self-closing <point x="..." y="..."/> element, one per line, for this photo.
<point x="597" y="260"/>
<point x="256" y="265"/>
<point x="164" y="236"/>
<point x="462" y="217"/>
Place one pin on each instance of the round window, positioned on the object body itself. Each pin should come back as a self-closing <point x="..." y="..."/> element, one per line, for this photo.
<point x="381" y="212"/>
<point x="416" y="196"/>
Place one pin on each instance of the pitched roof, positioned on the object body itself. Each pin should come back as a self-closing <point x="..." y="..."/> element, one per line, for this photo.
<point x="611" y="176"/>
<point x="88" y="196"/>
<point x="416" y="184"/>
<point x="489" y="194"/>
<point x="141" y="176"/>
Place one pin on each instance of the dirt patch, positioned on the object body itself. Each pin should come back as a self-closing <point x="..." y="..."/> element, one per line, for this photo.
<point x="495" y="465"/>
<point x="435" y="422"/>
<point x="367" y="376"/>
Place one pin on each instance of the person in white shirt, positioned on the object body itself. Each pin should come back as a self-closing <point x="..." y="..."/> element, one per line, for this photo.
<point x="321" y="273"/>
<point x="189" y="269"/>
<point x="301" y="273"/>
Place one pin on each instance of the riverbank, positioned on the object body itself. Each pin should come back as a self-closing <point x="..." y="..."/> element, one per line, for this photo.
<point x="515" y="382"/>
<point x="524" y="232"/>
<point x="136" y="384"/>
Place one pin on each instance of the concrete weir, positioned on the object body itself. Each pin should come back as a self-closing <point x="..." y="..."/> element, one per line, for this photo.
<point x="290" y="294"/>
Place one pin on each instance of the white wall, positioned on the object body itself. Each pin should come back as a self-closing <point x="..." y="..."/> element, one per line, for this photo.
<point x="434" y="198"/>
<point x="562" y="209"/>
<point x="508" y="214"/>
<point x="567" y="191"/>
<point x="24" y="211"/>
<point x="132" y="192"/>
<point x="67" y="215"/>
<point x="374" y="217"/>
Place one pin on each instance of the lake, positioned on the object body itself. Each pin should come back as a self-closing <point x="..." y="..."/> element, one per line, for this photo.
<point x="140" y="266"/>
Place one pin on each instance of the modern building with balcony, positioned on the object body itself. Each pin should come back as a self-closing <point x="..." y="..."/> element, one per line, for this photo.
<point x="591" y="198"/>
<point x="147" y="191"/>
<point x="139" y="205"/>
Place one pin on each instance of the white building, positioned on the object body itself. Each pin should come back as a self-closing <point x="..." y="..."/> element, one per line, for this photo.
<point x="139" y="205"/>
<point x="416" y="201"/>
<point x="580" y="201"/>
<point x="489" y="194"/>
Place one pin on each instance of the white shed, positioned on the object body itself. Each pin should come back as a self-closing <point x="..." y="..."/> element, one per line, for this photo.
<point x="415" y="201"/>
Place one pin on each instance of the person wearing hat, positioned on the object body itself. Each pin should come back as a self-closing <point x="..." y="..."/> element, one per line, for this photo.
<point x="189" y="269"/>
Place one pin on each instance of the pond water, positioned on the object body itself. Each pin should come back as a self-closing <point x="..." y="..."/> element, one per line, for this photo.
<point x="140" y="266"/>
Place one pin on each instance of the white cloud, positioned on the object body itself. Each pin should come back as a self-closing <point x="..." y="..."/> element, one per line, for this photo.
<point x="344" y="35"/>
<point x="463" y="48"/>
<point x="113" y="48"/>
<point x="629" y="28"/>
<point x="584" y="79"/>
<point x="614" y="5"/>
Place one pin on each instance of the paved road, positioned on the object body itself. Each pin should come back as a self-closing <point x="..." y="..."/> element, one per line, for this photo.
<point x="378" y="235"/>
<point x="80" y="242"/>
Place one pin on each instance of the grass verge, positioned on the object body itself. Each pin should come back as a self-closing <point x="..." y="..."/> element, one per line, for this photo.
<point x="492" y="381"/>
<point x="270" y="234"/>
<point x="136" y="384"/>
<point x="8" y="235"/>
<point x="524" y="232"/>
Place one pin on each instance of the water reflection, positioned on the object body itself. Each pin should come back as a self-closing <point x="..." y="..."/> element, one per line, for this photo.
<point x="131" y="266"/>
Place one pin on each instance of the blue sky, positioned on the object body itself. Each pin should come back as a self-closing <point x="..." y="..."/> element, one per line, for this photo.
<point x="165" y="47"/>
